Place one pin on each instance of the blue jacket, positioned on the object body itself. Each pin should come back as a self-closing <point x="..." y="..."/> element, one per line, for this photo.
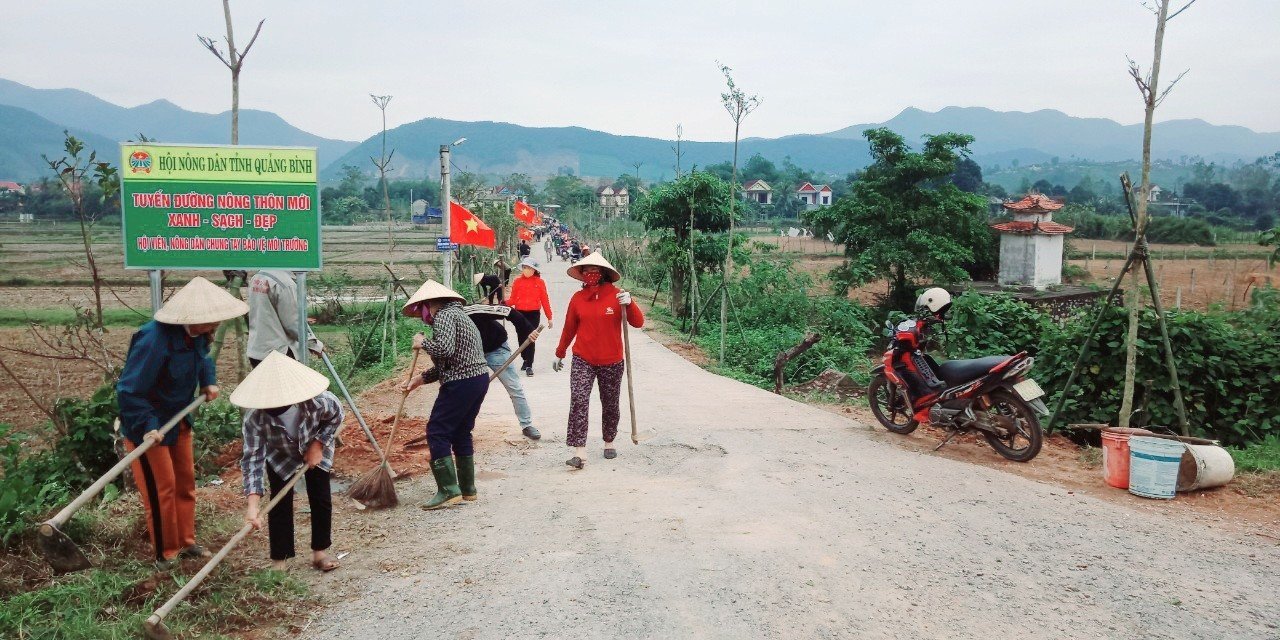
<point x="161" y="376"/>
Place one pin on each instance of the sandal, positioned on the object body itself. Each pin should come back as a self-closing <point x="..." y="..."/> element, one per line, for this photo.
<point x="575" y="462"/>
<point x="329" y="564"/>
<point x="610" y="454"/>
<point x="195" y="551"/>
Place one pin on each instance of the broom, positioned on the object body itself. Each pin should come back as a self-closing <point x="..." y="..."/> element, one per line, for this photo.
<point x="377" y="488"/>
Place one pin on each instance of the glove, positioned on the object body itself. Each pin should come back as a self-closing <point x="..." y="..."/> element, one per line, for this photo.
<point x="624" y="298"/>
<point x="557" y="365"/>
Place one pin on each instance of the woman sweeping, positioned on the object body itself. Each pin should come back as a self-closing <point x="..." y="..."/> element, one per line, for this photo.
<point x="291" y="421"/>
<point x="529" y="298"/>
<point x="593" y="325"/>
<point x="458" y="353"/>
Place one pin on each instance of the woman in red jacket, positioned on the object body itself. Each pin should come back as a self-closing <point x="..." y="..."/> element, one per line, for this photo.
<point x="529" y="297"/>
<point x="593" y="324"/>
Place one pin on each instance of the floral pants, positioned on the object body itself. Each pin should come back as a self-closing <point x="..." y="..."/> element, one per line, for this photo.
<point x="582" y="377"/>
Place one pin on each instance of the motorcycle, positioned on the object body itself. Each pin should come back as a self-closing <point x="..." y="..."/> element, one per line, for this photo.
<point x="994" y="395"/>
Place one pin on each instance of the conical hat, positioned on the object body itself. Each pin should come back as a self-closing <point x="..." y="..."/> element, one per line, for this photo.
<point x="278" y="381"/>
<point x="432" y="290"/>
<point x="597" y="259"/>
<point x="201" y="302"/>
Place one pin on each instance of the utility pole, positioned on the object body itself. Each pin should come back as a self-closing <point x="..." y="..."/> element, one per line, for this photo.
<point x="679" y="137"/>
<point x="446" y="264"/>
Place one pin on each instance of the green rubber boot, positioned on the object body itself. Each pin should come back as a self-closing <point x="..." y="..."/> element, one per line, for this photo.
<point x="447" y="491"/>
<point x="467" y="477"/>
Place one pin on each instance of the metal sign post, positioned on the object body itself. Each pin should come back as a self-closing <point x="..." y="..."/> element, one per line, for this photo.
<point x="303" y="329"/>
<point x="157" y="292"/>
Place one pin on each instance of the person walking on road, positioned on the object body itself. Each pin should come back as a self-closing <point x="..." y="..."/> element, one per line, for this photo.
<point x="593" y="325"/>
<point x="292" y="420"/>
<point x="273" y="316"/>
<point x="529" y="298"/>
<point x="524" y="249"/>
<point x="168" y="358"/>
<point x="493" y="337"/>
<point x="458" y="353"/>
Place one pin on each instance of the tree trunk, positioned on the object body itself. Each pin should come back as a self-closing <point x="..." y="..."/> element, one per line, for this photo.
<point x="235" y="75"/>
<point x="728" y="255"/>
<point x="677" y="291"/>
<point x="780" y="362"/>
<point x="89" y="258"/>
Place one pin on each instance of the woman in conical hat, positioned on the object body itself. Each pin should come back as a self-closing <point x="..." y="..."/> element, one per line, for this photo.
<point x="593" y="325"/>
<point x="168" y="357"/>
<point x="458" y="353"/>
<point x="291" y="421"/>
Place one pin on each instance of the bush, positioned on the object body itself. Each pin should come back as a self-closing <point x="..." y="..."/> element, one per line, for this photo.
<point x="31" y="485"/>
<point x="982" y="325"/>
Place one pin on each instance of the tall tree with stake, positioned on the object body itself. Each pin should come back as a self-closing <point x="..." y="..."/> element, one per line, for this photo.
<point x="738" y="104"/>
<point x="234" y="61"/>
<point x="1148" y="87"/>
<point x="381" y="163"/>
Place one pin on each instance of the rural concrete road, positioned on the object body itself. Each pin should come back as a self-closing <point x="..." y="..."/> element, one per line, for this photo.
<point x="753" y="516"/>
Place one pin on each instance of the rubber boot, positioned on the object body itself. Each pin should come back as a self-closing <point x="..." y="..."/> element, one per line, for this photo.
<point x="447" y="491"/>
<point x="467" y="477"/>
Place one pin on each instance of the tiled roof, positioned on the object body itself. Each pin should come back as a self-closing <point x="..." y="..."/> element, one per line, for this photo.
<point x="1047" y="228"/>
<point x="1034" y="203"/>
<point x="754" y="184"/>
<point x="10" y="185"/>
<point x="805" y="188"/>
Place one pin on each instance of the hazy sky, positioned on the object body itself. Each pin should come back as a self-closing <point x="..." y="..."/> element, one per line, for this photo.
<point x="641" y="67"/>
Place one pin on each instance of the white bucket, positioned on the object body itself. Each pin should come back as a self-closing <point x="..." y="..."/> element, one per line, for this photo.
<point x="1205" y="466"/>
<point x="1153" y="466"/>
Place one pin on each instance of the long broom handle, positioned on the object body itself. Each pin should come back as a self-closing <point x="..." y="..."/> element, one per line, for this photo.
<point x="352" y="403"/>
<point x="158" y="616"/>
<point x="391" y="438"/>
<point x="631" y="392"/>
<point x="111" y="474"/>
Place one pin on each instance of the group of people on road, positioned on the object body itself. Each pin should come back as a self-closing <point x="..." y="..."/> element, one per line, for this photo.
<point x="291" y="420"/>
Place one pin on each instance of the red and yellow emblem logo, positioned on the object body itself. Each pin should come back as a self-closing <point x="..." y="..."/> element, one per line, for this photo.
<point x="140" y="162"/>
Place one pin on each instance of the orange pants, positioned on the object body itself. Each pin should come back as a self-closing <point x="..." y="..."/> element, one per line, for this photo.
<point x="166" y="479"/>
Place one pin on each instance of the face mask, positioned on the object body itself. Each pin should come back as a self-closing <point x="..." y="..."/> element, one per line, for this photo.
<point x="591" y="278"/>
<point x="426" y="314"/>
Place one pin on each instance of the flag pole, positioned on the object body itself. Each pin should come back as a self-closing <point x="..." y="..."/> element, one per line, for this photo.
<point x="446" y="214"/>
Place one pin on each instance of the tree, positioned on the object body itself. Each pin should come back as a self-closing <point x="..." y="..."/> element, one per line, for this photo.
<point x="738" y="104"/>
<point x="381" y="163"/>
<point x="569" y="191"/>
<point x="699" y="199"/>
<point x="904" y="220"/>
<point x="521" y="183"/>
<point x="71" y="171"/>
<point x="758" y="167"/>
<point x="967" y="175"/>
<point x="234" y="61"/>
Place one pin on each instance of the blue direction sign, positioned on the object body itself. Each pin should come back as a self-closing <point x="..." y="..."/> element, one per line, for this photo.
<point x="443" y="244"/>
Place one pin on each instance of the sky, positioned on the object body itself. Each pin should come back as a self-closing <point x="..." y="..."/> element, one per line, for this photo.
<point x="641" y="68"/>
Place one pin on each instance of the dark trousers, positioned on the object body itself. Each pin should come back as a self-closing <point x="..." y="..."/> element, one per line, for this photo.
<point x="254" y="362"/>
<point x="535" y="318"/>
<point x="453" y="416"/>
<point x="280" y="520"/>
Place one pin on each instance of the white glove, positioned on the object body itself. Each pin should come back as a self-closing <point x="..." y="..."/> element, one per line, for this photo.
<point x="557" y="365"/>
<point x="624" y="298"/>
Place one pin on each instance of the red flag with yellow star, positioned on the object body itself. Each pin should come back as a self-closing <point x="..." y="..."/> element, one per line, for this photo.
<point x="525" y="213"/>
<point x="466" y="228"/>
<point x="526" y="234"/>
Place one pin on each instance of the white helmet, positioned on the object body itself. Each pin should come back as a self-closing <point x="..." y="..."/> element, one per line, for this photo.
<point x="936" y="299"/>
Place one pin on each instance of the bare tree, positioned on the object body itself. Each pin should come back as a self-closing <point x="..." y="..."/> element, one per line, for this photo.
<point x="234" y="60"/>
<point x="1152" y="96"/>
<point x="381" y="163"/>
<point x="71" y="171"/>
<point x="676" y="149"/>
<point x="738" y="104"/>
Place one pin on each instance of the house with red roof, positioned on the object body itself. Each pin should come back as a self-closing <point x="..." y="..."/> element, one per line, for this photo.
<point x="1031" y="243"/>
<point x="11" y="186"/>
<point x="814" y="196"/>
<point x="758" y="191"/>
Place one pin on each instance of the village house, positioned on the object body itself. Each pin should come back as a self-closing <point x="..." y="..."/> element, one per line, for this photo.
<point x="615" y="203"/>
<point x="11" y="186"/>
<point x="758" y="191"/>
<point x="814" y="197"/>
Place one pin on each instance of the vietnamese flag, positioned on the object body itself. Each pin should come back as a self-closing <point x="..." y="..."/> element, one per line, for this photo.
<point x="466" y="228"/>
<point x="526" y="234"/>
<point x="525" y="213"/>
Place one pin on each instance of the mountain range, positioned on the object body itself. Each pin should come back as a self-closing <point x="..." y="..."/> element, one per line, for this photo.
<point x="32" y="120"/>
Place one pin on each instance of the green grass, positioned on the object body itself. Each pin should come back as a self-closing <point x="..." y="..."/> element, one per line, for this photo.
<point x="63" y="315"/>
<point x="1261" y="457"/>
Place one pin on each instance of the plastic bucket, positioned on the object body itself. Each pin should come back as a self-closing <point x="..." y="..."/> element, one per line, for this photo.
<point x="1115" y="455"/>
<point x="1153" y="466"/>
<point x="1204" y="467"/>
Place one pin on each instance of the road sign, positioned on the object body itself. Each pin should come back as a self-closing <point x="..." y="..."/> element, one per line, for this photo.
<point x="443" y="244"/>
<point x="219" y="207"/>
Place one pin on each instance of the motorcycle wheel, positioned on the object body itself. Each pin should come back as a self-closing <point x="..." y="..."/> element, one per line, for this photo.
<point x="890" y="406"/>
<point x="1025" y="444"/>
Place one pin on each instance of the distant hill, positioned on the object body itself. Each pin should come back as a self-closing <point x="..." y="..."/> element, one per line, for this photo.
<point x="501" y="148"/>
<point x="160" y="120"/>
<point x="25" y="135"/>
<point x="1002" y="136"/>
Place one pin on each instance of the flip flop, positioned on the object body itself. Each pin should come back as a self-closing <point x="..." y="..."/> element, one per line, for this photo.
<point x="328" y="565"/>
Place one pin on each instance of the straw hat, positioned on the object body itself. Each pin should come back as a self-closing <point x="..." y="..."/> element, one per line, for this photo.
<point x="201" y="302"/>
<point x="278" y="381"/>
<point x="431" y="290"/>
<point x="531" y="263"/>
<point x="475" y="279"/>
<point x="597" y="259"/>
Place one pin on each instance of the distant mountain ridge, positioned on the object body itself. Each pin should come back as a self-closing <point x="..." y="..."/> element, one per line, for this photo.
<point x="499" y="148"/>
<point x="160" y="120"/>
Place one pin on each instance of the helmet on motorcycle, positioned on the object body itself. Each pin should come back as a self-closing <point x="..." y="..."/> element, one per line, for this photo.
<point x="935" y="300"/>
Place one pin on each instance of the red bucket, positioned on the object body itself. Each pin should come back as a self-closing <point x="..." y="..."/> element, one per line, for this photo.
<point x="1115" y="454"/>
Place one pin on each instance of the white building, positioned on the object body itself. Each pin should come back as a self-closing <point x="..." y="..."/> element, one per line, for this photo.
<point x="814" y="196"/>
<point x="1031" y="244"/>
<point x="758" y="191"/>
<point x="615" y="203"/>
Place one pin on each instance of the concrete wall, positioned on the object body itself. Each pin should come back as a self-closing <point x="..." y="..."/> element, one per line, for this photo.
<point x="1030" y="260"/>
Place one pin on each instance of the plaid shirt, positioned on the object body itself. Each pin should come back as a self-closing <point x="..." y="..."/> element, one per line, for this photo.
<point x="455" y="346"/>
<point x="267" y="441"/>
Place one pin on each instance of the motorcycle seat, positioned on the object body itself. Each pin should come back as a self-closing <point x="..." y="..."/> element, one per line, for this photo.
<point x="955" y="372"/>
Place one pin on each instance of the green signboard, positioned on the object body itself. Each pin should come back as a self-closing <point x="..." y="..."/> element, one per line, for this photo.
<point x="219" y="207"/>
